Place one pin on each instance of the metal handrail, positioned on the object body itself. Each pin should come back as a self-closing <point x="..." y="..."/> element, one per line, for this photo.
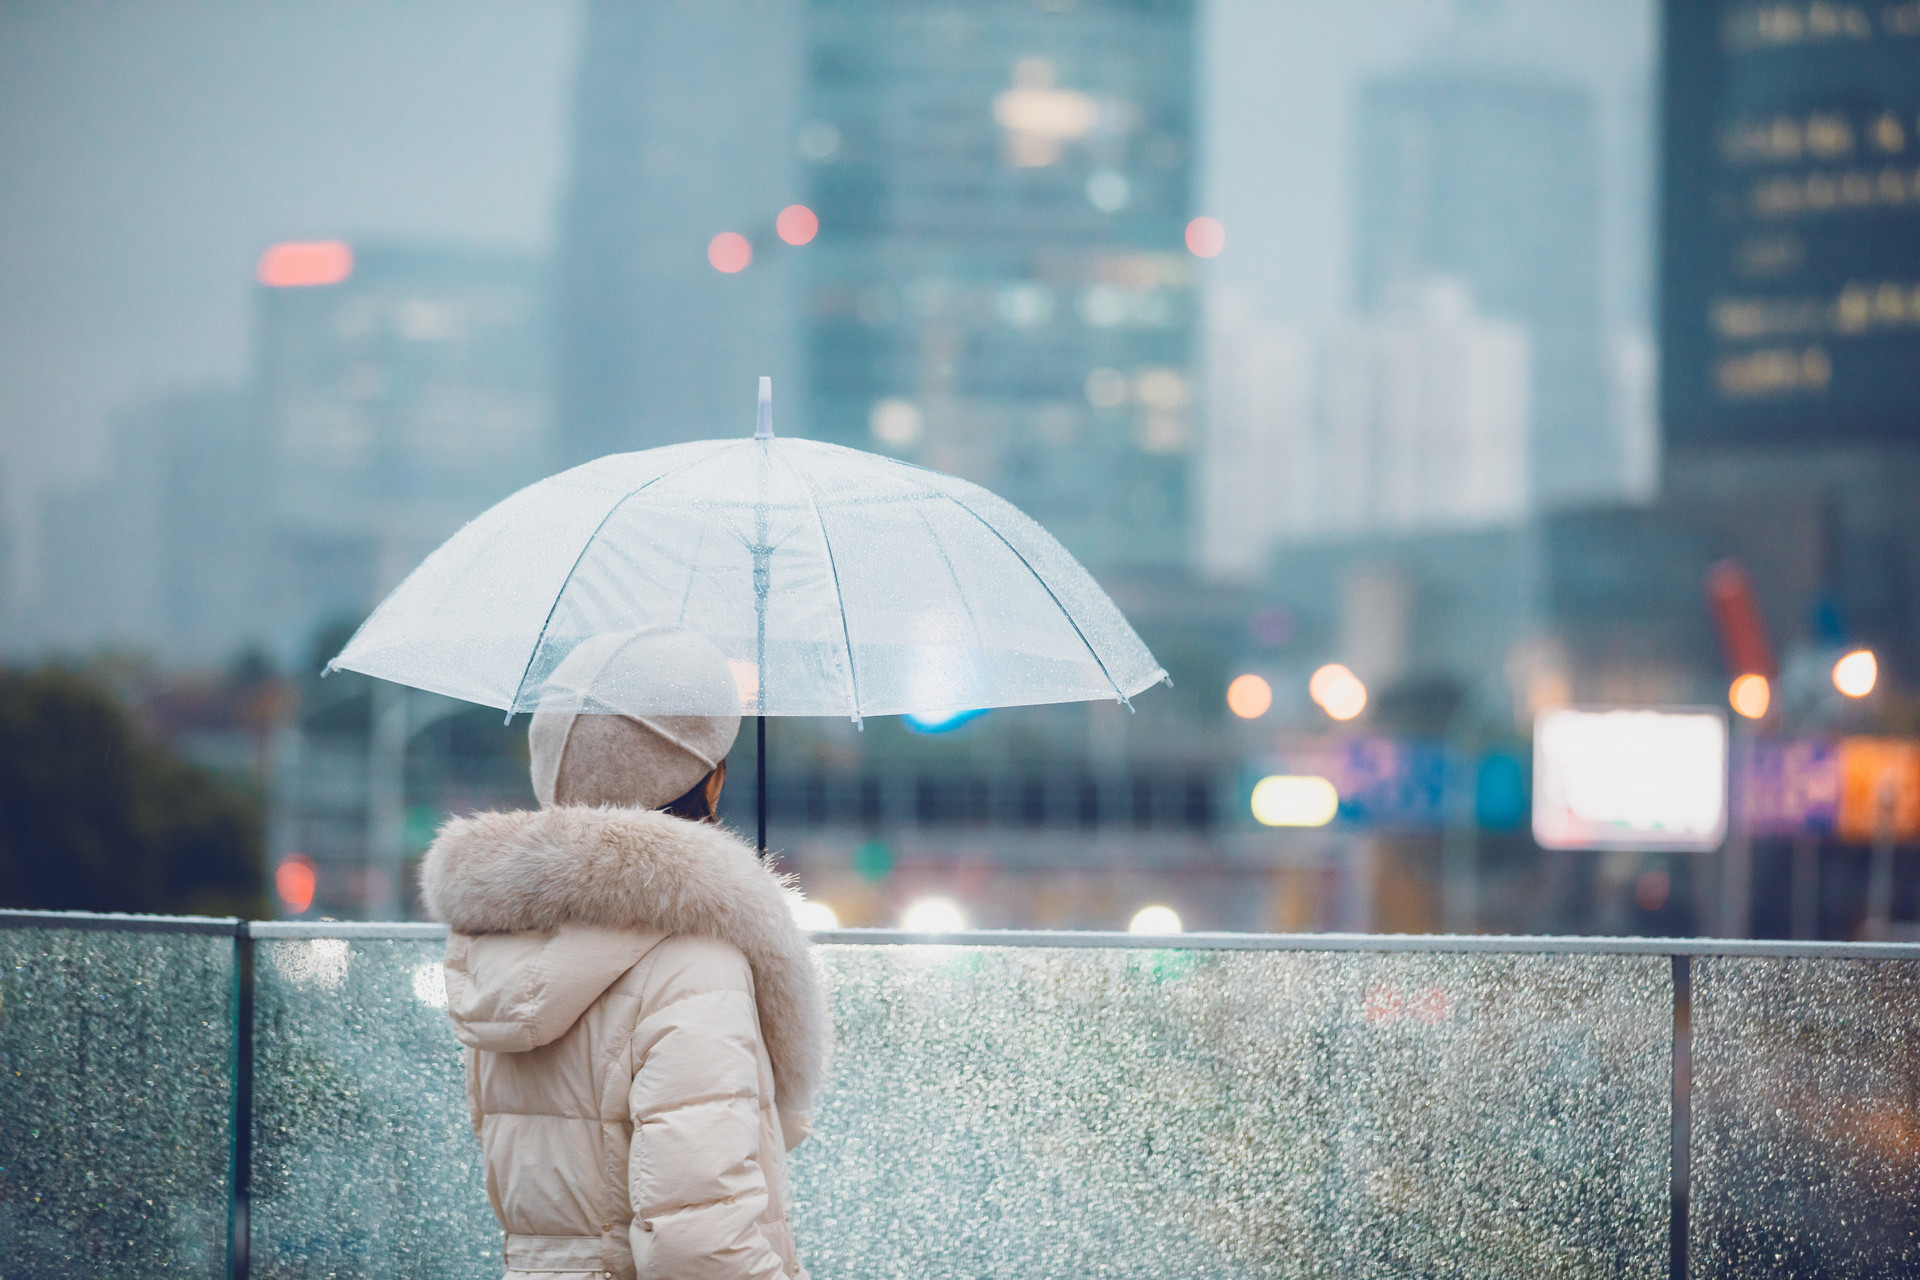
<point x="1499" y="944"/>
<point x="230" y="926"/>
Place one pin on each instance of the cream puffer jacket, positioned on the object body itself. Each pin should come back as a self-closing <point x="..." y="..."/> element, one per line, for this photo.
<point x="645" y="1035"/>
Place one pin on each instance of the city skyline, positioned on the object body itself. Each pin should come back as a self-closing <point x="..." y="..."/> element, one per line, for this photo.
<point x="1394" y="33"/>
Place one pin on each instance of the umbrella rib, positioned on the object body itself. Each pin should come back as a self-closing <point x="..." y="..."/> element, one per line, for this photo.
<point x="839" y="597"/>
<point x="574" y="568"/>
<point x="1048" y="588"/>
<point x="953" y="575"/>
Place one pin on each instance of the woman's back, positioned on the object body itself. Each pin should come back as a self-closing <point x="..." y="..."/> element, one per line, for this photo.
<point x="639" y="1010"/>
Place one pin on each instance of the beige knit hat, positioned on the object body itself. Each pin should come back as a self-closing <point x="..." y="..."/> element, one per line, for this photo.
<point x="585" y="751"/>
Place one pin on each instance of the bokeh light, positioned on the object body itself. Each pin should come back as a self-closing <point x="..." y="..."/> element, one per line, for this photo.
<point x="1295" y="800"/>
<point x="302" y="264"/>
<point x="1206" y="237"/>
<point x="1751" y="695"/>
<point x="1856" y="673"/>
<point x="813" y="916"/>
<point x="295" y="880"/>
<point x="1249" y="696"/>
<point x="1154" y="919"/>
<point x="797" y="224"/>
<point x="1337" y="691"/>
<point x="934" y="915"/>
<point x="729" y="252"/>
<point x="894" y="421"/>
<point x="1651" y="890"/>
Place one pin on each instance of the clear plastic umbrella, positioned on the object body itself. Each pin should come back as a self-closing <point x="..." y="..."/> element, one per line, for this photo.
<point x="835" y="582"/>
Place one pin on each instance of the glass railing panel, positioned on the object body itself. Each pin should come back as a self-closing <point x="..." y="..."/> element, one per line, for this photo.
<point x="116" y="1100"/>
<point x="1027" y="1111"/>
<point x="364" y="1163"/>
<point x="1806" y="1118"/>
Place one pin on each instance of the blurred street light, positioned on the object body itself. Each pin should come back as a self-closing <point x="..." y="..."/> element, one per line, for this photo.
<point x="813" y="916"/>
<point x="1856" y="673"/>
<point x="797" y="224"/>
<point x="1751" y="695"/>
<point x="729" y="252"/>
<point x="1288" y="800"/>
<point x="1337" y="691"/>
<point x="1249" y="696"/>
<point x="934" y="915"/>
<point x="1154" y="919"/>
<point x="1206" y="237"/>
<point x="294" y="880"/>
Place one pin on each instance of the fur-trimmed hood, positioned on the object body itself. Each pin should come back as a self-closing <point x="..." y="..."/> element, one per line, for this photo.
<point x="641" y="871"/>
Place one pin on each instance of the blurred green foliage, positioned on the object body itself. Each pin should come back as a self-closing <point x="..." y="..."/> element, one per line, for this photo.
<point x="95" y="817"/>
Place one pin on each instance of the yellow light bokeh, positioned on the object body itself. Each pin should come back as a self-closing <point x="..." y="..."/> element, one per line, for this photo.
<point x="1249" y="696"/>
<point x="1856" y="673"/>
<point x="1338" y="692"/>
<point x="1292" y="800"/>
<point x="1155" y="919"/>
<point x="813" y="915"/>
<point x="1751" y="695"/>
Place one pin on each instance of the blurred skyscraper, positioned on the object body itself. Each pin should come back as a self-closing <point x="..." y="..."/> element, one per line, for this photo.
<point x="1425" y="418"/>
<point x="1259" y="464"/>
<point x="1000" y="288"/>
<point x="683" y="131"/>
<point x="163" y="552"/>
<point x="401" y="392"/>
<point x="1493" y="178"/>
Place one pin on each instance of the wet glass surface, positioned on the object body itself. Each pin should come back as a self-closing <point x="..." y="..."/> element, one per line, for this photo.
<point x="1806" y="1118"/>
<point x="1040" y="1112"/>
<point x="116" y="1103"/>
<point x="363" y="1160"/>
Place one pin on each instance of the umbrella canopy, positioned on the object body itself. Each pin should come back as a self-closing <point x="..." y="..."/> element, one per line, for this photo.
<point x="835" y="582"/>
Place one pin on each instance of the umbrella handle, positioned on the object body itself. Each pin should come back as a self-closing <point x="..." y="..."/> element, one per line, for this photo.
<point x="760" y="781"/>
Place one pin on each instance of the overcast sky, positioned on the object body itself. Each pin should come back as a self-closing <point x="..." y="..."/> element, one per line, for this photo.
<point x="149" y="151"/>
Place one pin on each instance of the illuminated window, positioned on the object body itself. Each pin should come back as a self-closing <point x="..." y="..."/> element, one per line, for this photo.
<point x="302" y="264"/>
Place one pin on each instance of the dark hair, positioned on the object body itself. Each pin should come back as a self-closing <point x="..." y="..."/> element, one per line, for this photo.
<point x="693" y="805"/>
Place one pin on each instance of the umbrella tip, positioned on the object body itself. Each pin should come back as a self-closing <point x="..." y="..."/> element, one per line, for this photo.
<point x="763" y="425"/>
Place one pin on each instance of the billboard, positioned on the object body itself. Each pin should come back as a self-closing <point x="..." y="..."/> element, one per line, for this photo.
<point x="1790" y="273"/>
<point x="1628" y="778"/>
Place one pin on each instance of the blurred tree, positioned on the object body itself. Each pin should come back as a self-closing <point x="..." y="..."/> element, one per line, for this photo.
<point x="94" y="817"/>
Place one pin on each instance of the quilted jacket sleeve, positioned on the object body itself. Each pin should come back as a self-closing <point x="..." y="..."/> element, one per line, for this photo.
<point x="695" y="1172"/>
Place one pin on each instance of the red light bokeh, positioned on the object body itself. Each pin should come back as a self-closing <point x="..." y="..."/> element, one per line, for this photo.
<point x="294" y="880"/>
<point x="296" y="264"/>
<point x="797" y="224"/>
<point x="1206" y="237"/>
<point x="729" y="252"/>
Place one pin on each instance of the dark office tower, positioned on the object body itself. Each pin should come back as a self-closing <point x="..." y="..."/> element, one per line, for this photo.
<point x="1001" y="288"/>
<point x="1493" y="179"/>
<point x="683" y="131"/>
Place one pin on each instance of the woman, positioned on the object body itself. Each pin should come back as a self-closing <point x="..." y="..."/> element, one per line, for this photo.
<point x="645" y="1031"/>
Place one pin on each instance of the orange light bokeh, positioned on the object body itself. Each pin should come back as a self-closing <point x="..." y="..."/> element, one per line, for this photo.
<point x="1856" y="673"/>
<point x="299" y="264"/>
<point x="1249" y="696"/>
<point x="1206" y="237"/>
<point x="295" y="881"/>
<point x="1751" y="696"/>
<point x="729" y="252"/>
<point x="1337" y="691"/>
<point x="797" y="224"/>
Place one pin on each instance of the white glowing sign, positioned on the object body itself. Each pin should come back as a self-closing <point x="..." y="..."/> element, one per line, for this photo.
<point x="1629" y="779"/>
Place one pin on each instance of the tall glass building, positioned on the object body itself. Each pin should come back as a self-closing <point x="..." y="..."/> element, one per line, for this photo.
<point x="1492" y="179"/>
<point x="1000" y="287"/>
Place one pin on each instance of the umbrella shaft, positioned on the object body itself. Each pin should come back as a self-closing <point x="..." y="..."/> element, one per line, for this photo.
<point x="760" y="779"/>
